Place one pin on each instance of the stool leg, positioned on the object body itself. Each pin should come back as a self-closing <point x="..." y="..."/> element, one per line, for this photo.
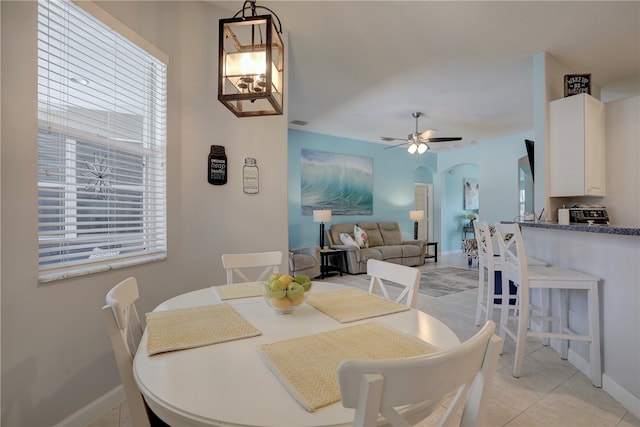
<point x="594" y="331"/>
<point x="521" y="334"/>
<point x="480" y="302"/>
<point x="564" y="322"/>
<point x="547" y="311"/>
<point x="491" y="292"/>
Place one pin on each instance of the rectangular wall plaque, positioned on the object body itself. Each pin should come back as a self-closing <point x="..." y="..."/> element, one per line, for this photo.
<point x="577" y="83"/>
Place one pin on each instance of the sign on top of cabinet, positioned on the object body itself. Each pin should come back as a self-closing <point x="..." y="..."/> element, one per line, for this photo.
<point x="577" y="151"/>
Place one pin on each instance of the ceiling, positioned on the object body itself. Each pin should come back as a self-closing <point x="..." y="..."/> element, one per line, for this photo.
<point x="358" y="69"/>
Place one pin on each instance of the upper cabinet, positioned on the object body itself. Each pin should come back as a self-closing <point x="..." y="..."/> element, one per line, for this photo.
<point x="577" y="151"/>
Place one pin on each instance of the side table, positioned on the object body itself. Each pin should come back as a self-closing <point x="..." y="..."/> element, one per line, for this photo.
<point x="338" y="255"/>
<point x="435" y="251"/>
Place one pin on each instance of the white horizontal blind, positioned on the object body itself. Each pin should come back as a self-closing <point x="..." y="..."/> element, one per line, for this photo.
<point x="101" y="146"/>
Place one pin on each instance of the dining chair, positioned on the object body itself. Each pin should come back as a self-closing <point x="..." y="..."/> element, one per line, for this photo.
<point x="546" y="278"/>
<point x="240" y="264"/>
<point x="406" y="277"/>
<point x="405" y="391"/>
<point x="125" y="330"/>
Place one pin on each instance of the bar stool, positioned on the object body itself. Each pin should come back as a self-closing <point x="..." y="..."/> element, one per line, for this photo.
<point x="489" y="297"/>
<point x="527" y="277"/>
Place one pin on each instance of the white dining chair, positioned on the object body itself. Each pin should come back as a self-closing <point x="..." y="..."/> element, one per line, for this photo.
<point x="125" y="330"/>
<point x="408" y="278"/>
<point x="402" y="392"/>
<point x="546" y="278"/>
<point x="241" y="264"/>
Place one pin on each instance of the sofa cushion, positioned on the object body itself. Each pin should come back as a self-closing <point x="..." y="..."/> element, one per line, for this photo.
<point x="336" y="229"/>
<point x="391" y="233"/>
<point x="390" y="251"/>
<point x="370" y="253"/>
<point x="411" y="251"/>
<point x="360" y="236"/>
<point x="373" y="233"/>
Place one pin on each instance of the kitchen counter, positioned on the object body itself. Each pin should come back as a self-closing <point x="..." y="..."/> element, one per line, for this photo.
<point x="605" y="229"/>
<point x="612" y="254"/>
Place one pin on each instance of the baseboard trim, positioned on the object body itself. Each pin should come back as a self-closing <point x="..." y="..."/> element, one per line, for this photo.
<point x="95" y="409"/>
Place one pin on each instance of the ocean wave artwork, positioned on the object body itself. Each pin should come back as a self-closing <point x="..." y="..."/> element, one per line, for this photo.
<point x="340" y="182"/>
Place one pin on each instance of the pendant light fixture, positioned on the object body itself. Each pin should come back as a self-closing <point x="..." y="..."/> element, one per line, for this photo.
<point x="251" y="63"/>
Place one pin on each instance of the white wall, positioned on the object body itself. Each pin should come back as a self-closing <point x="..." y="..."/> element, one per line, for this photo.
<point x="622" y="141"/>
<point x="56" y="355"/>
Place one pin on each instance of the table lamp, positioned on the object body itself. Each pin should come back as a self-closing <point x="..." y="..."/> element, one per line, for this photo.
<point x="321" y="216"/>
<point x="416" y="216"/>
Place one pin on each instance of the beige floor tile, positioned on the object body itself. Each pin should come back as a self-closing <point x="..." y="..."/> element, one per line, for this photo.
<point x="551" y="411"/>
<point x="629" y="421"/>
<point x="578" y="391"/>
<point x="110" y="419"/>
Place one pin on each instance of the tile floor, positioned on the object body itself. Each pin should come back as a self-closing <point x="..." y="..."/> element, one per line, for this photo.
<point x="550" y="392"/>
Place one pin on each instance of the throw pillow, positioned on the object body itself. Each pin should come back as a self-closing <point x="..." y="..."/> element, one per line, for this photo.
<point x="348" y="240"/>
<point x="361" y="237"/>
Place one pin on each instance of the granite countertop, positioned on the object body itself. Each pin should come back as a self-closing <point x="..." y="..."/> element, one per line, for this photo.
<point x="604" y="229"/>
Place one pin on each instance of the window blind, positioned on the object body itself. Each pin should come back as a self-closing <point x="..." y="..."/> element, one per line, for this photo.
<point x="101" y="145"/>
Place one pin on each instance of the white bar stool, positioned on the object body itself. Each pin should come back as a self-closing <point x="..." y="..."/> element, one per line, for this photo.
<point x="527" y="277"/>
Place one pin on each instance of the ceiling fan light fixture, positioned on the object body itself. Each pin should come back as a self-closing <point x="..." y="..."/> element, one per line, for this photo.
<point x="422" y="148"/>
<point x="412" y="148"/>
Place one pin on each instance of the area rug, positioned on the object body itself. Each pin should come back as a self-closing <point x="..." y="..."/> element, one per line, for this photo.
<point x="435" y="282"/>
<point x="447" y="280"/>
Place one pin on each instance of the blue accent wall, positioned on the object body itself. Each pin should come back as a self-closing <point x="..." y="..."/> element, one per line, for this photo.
<point x="394" y="174"/>
<point x="494" y="163"/>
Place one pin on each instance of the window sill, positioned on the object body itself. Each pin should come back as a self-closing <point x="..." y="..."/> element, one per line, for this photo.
<point x="68" y="273"/>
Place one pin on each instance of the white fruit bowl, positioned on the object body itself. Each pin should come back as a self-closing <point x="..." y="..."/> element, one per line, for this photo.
<point x="286" y="301"/>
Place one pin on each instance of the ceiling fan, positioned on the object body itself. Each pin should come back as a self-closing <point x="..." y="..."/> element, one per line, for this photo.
<point x="418" y="141"/>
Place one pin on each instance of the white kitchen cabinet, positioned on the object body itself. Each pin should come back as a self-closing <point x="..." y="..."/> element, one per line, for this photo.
<point x="577" y="150"/>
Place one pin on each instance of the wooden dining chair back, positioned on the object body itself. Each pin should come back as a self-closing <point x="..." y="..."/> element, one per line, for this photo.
<point x="548" y="325"/>
<point x="405" y="391"/>
<point x="408" y="278"/>
<point x="125" y="331"/>
<point x="243" y="264"/>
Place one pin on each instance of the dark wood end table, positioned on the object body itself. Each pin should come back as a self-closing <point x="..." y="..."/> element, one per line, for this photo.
<point x="339" y="259"/>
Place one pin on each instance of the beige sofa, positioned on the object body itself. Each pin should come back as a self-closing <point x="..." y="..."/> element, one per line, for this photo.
<point x="385" y="243"/>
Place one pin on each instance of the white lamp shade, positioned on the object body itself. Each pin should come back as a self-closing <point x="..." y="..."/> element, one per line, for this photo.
<point x="416" y="215"/>
<point x="322" y="216"/>
<point x="412" y="148"/>
<point x="422" y="148"/>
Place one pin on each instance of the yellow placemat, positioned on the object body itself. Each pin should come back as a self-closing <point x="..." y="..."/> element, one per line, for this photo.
<point x="349" y="305"/>
<point x="308" y="366"/>
<point x="195" y="327"/>
<point x="239" y="290"/>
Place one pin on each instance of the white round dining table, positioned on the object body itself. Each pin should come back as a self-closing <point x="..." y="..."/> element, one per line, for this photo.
<point x="229" y="384"/>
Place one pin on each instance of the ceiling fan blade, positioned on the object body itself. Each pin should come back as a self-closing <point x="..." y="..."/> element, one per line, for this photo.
<point x="397" y="145"/>
<point x="445" y="139"/>
<point x="427" y="134"/>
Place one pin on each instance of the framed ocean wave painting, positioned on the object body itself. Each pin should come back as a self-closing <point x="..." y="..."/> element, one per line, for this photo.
<point x="339" y="182"/>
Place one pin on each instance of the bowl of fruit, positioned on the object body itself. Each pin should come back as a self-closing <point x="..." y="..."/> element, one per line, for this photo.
<point x="285" y="293"/>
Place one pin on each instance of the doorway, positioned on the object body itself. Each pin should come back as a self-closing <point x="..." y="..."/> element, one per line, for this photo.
<point x="423" y="195"/>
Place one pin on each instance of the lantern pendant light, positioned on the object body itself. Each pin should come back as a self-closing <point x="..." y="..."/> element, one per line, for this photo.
<point x="251" y="63"/>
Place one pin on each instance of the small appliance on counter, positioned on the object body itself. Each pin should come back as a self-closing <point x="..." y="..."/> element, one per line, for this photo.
<point x="589" y="215"/>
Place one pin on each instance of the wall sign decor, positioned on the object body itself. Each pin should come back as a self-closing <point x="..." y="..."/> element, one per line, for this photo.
<point x="577" y="83"/>
<point x="471" y="194"/>
<point x="217" y="166"/>
<point x="337" y="182"/>
<point x="250" y="176"/>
